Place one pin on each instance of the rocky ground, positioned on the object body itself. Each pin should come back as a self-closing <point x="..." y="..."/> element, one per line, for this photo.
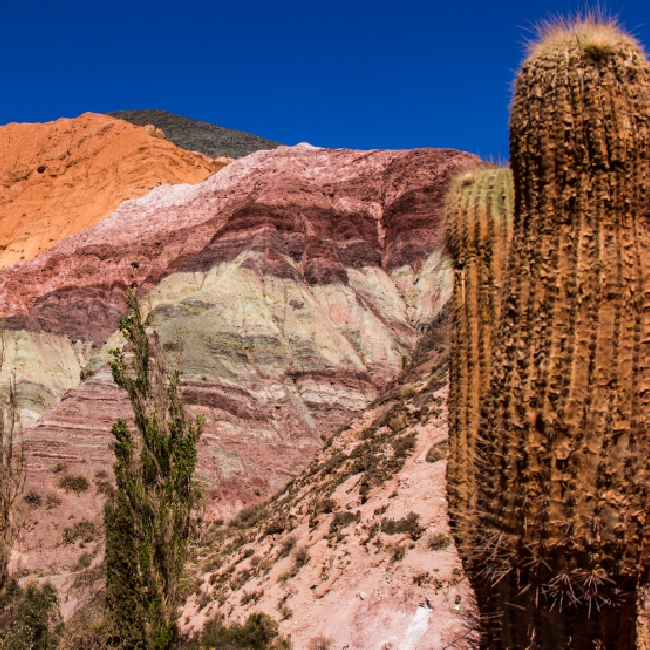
<point x="357" y="550"/>
<point x="195" y="135"/>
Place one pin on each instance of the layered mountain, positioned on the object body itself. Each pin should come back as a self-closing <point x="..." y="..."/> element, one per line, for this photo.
<point x="290" y="288"/>
<point x="61" y="177"/>
<point x="196" y="135"/>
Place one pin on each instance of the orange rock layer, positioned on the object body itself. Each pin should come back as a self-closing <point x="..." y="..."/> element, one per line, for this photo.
<point x="59" y="178"/>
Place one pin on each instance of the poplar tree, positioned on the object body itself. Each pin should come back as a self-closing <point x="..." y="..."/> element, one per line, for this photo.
<point x="148" y="522"/>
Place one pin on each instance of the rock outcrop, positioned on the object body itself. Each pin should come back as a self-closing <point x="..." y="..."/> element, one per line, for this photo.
<point x="195" y="135"/>
<point x="290" y="288"/>
<point x="61" y="177"/>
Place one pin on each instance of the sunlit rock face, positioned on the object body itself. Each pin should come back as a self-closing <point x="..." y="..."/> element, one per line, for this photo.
<point x="289" y="288"/>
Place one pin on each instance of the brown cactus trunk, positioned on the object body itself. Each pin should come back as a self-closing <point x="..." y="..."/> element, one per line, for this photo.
<point x="564" y="441"/>
<point x="479" y="229"/>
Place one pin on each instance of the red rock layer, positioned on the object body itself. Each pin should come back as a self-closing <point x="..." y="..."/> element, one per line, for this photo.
<point x="326" y="209"/>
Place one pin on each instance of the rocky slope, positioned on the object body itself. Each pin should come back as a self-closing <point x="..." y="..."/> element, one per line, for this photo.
<point x="195" y="135"/>
<point x="290" y="288"/>
<point x="357" y="549"/>
<point x="59" y="178"/>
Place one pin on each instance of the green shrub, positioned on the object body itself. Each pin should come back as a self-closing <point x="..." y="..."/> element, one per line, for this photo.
<point x="342" y="519"/>
<point x="83" y="530"/>
<point x="71" y="483"/>
<point x="438" y="452"/>
<point x="32" y="619"/>
<point x="439" y="542"/>
<point x="52" y="501"/>
<point x="406" y="525"/>
<point x="249" y="517"/>
<point x="84" y="561"/>
<point x="259" y="632"/>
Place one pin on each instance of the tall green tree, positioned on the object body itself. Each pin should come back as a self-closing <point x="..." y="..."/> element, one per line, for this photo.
<point x="148" y="522"/>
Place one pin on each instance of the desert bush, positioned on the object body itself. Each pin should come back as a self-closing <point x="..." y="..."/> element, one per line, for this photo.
<point x="60" y="467"/>
<point x="83" y="530"/>
<point x="288" y="544"/>
<point x="320" y="642"/>
<point x="438" y="452"/>
<point x="249" y="517"/>
<point x="342" y="519"/>
<point x="398" y="552"/>
<point x="71" y="483"/>
<point x="33" y="499"/>
<point x="408" y="525"/>
<point x="84" y="561"/>
<point x="52" y="501"/>
<point x="259" y="632"/>
<point x="439" y="542"/>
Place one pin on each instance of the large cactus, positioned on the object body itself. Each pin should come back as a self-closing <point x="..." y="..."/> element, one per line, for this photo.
<point x="478" y="224"/>
<point x="564" y="444"/>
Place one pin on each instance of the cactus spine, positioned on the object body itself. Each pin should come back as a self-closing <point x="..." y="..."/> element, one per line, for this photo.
<point x="478" y="224"/>
<point x="564" y="442"/>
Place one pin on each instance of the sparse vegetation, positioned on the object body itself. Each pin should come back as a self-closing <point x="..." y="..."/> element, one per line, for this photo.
<point x="438" y="452"/>
<point x="398" y="552"/>
<point x="60" y="467"/>
<point x="84" y="561"/>
<point x="408" y="525"/>
<point x="33" y="499"/>
<point x="320" y="642"/>
<point x="52" y="501"/>
<point x="439" y="542"/>
<point x="259" y="632"/>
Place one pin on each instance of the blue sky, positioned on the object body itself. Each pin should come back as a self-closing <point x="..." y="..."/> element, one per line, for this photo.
<point x="337" y="73"/>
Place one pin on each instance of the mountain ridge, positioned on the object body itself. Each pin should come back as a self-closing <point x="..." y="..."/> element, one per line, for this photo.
<point x="197" y="135"/>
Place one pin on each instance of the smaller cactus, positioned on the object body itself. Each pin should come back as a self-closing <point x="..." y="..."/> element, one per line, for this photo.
<point x="478" y="220"/>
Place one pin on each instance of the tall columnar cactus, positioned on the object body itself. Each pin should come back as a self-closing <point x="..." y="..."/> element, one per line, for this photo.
<point x="478" y="224"/>
<point x="563" y="503"/>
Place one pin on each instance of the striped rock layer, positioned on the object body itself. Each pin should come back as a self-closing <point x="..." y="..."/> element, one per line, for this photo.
<point x="289" y="288"/>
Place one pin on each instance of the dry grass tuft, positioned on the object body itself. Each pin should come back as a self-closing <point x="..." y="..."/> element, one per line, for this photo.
<point x="593" y="29"/>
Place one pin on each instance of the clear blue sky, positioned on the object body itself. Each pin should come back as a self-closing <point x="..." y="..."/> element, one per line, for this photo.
<point x="336" y="73"/>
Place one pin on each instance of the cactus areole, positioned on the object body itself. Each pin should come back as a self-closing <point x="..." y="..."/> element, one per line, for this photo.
<point x="563" y="453"/>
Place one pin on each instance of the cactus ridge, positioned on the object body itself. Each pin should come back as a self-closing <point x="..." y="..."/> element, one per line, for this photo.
<point x="478" y="221"/>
